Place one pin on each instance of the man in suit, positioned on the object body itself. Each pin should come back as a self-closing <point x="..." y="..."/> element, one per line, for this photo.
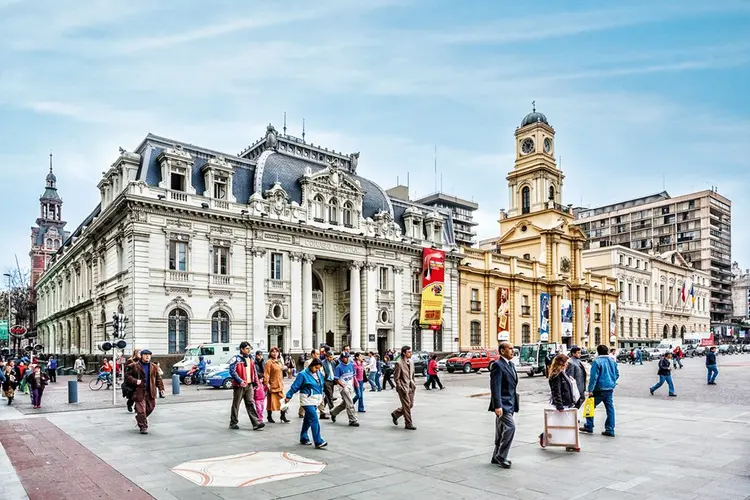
<point x="504" y="402"/>
<point x="406" y="385"/>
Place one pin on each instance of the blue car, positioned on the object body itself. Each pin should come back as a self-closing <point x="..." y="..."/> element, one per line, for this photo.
<point x="220" y="380"/>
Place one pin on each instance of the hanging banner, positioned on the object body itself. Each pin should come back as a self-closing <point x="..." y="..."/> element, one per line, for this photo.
<point x="544" y="317"/>
<point x="566" y="316"/>
<point x="433" y="272"/>
<point x="612" y="320"/>
<point x="503" y="314"/>
<point x="586" y="317"/>
<point x="3" y="329"/>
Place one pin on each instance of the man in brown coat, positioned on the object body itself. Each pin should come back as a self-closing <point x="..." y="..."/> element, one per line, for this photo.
<point x="144" y="376"/>
<point x="406" y="385"/>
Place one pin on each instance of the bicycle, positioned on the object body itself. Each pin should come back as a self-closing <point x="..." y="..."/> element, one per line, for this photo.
<point x="100" y="380"/>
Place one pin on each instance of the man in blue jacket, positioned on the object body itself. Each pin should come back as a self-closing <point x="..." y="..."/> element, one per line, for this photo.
<point x="602" y="382"/>
<point x="711" y="368"/>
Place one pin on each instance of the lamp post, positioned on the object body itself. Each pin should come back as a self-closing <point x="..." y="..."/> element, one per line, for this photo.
<point x="7" y="275"/>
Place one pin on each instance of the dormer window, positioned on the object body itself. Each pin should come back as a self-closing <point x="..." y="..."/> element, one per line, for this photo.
<point x="220" y="188"/>
<point x="177" y="180"/>
<point x="333" y="211"/>
<point x="317" y="208"/>
<point x="347" y="214"/>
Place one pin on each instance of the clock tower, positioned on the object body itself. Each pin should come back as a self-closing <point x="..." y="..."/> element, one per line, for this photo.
<point x="535" y="183"/>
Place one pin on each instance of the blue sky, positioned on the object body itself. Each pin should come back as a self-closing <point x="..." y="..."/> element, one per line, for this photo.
<point x="642" y="95"/>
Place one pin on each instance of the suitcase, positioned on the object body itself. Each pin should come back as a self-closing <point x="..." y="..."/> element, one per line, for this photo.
<point x="561" y="428"/>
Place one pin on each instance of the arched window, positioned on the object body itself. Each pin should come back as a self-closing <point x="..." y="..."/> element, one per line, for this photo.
<point x="77" y="346"/>
<point x="552" y="193"/>
<point x="317" y="207"/>
<point x="622" y="327"/>
<point x="57" y="244"/>
<point x="639" y="327"/>
<point x="525" y="200"/>
<point x="416" y="336"/>
<point x="683" y="331"/>
<point x="347" y="214"/>
<point x="597" y="336"/>
<point x="526" y="334"/>
<point x="220" y="327"/>
<point x="333" y="211"/>
<point x="476" y="334"/>
<point x="631" y="327"/>
<point x="674" y="331"/>
<point x="178" y="331"/>
<point x="49" y="243"/>
<point x="648" y="333"/>
<point x="665" y="333"/>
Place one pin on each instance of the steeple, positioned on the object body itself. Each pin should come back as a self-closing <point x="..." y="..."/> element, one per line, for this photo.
<point x="51" y="179"/>
<point x="49" y="233"/>
<point x="50" y="201"/>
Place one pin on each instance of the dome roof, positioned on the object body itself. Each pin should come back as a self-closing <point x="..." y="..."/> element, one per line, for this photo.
<point x="534" y="117"/>
<point x="51" y="177"/>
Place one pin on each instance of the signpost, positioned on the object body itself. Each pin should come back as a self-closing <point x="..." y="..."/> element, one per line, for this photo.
<point x="18" y="331"/>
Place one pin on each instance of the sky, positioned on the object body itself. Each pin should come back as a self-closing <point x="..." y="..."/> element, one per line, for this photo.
<point x="643" y="95"/>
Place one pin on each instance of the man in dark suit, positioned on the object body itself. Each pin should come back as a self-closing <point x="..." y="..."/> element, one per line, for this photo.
<point x="504" y="402"/>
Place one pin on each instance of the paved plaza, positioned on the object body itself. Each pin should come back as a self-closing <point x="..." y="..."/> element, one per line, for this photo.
<point x="694" y="446"/>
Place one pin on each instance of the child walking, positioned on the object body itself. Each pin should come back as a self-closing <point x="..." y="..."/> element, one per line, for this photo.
<point x="260" y="400"/>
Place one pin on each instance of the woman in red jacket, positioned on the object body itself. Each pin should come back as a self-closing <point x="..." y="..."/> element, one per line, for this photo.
<point x="432" y="374"/>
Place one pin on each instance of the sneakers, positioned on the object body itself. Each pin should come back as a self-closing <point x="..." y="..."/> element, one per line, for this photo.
<point x="321" y="445"/>
<point x="305" y="443"/>
<point x="651" y="391"/>
<point x="585" y="430"/>
<point x="353" y="424"/>
<point x="234" y="426"/>
<point x="259" y="426"/>
<point x="673" y="395"/>
<point x="608" y="434"/>
<point x="395" y="418"/>
<point x="144" y="431"/>
<point x="333" y="418"/>
<point x="410" y="427"/>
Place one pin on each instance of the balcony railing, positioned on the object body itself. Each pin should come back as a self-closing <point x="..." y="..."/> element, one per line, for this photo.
<point x="221" y="204"/>
<point x="178" y="276"/>
<point x="476" y="306"/>
<point x="385" y="295"/>
<point x="218" y="279"/>
<point x="525" y="310"/>
<point x="317" y="296"/>
<point x="277" y="285"/>
<point x="178" y="196"/>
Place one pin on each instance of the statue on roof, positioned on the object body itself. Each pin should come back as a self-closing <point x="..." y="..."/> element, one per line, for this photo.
<point x="355" y="161"/>
<point x="272" y="140"/>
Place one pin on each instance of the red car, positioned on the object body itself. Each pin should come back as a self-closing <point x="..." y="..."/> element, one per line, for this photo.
<point x="473" y="360"/>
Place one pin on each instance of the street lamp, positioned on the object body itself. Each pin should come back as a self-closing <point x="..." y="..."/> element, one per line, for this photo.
<point x="7" y="275"/>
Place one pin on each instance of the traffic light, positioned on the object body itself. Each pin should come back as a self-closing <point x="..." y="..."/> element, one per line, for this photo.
<point x="119" y="320"/>
<point x="28" y="348"/>
<point x="38" y="347"/>
<point x="105" y="346"/>
<point x="108" y="346"/>
<point x="121" y="344"/>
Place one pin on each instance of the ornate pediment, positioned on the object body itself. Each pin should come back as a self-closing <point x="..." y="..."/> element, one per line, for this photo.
<point x="332" y="178"/>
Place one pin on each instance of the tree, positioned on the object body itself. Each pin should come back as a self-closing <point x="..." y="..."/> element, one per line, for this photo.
<point x="22" y="300"/>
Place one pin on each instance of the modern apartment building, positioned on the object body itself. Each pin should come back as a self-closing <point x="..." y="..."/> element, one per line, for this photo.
<point x="461" y="210"/>
<point x="698" y="225"/>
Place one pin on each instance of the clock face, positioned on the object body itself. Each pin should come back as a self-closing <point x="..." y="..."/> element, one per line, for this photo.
<point x="527" y="146"/>
<point x="547" y="145"/>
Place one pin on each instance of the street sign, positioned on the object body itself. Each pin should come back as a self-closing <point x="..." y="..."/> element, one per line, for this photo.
<point x="3" y="329"/>
<point x="18" y="330"/>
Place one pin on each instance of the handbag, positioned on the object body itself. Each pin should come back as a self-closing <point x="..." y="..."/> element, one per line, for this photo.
<point x="589" y="408"/>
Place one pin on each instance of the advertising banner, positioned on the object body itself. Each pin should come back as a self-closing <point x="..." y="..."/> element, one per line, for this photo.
<point x="503" y="314"/>
<point x="433" y="273"/>
<point x="708" y="341"/>
<point x="3" y="329"/>
<point x="586" y="317"/>
<point x="566" y="316"/>
<point x="544" y="317"/>
<point x="612" y="320"/>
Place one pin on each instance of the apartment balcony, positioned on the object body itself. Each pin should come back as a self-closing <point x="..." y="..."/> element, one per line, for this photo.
<point x="385" y="296"/>
<point x="475" y="306"/>
<point x="221" y="204"/>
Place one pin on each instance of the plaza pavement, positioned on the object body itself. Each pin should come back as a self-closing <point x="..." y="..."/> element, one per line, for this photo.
<point x="694" y="446"/>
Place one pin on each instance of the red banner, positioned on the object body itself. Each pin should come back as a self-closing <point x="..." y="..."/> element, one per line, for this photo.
<point x="433" y="284"/>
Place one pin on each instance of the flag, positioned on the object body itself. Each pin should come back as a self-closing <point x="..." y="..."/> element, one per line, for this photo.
<point x="684" y="291"/>
<point x="692" y="293"/>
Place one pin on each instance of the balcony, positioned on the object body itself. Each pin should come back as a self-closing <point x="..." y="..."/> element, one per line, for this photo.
<point x="219" y="279"/>
<point x="525" y="310"/>
<point x="598" y="317"/>
<point x="385" y="296"/>
<point x="220" y="204"/>
<point x="277" y="286"/>
<point x="178" y="196"/>
<point x="476" y="306"/>
<point x="178" y="276"/>
<point x="317" y="296"/>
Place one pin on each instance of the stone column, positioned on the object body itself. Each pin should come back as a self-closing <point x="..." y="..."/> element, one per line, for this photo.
<point x="258" y="292"/>
<point x="307" y="302"/>
<point x="355" y="309"/>
<point x="369" y="292"/>
<point x="398" y="299"/>
<point x="296" y="313"/>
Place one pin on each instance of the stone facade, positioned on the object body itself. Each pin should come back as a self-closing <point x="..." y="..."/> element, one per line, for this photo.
<point x="283" y="245"/>
<point x="651" y="287"/>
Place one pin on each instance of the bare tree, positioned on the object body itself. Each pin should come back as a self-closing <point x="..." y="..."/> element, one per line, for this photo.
<point x="22" y="300"/>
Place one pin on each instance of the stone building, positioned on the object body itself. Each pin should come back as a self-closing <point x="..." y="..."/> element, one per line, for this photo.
<point x="284" y="244"/>
<point x="661" y="296"/>
<point x="529" y="284"/>
<point x="741" y="293"/>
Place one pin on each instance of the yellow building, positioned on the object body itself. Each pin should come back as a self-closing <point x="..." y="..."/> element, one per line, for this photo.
<point x="529" y="284"/>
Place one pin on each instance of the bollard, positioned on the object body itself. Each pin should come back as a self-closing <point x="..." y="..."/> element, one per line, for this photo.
<point x="175" y="385"/>
<point x="72" y="392"/>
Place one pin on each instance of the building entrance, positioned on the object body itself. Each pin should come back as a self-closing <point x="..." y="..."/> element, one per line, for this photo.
<point x="276" y="337"/>
<point x="382" y="342"/>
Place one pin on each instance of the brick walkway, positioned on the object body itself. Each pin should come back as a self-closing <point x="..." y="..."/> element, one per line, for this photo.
<point x="51" y="465"/>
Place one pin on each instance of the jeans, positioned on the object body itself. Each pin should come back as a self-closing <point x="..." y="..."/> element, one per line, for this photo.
<point x="676" y="361"/>
<point x="374" y="380"/>
<point x="605" y="397"/>
<point x="662" y="379"/>
<point x="713" y="372"/>
<point x="311" y="422"/>
<point x="359" y="393"/>
<point x="639" y="359"/>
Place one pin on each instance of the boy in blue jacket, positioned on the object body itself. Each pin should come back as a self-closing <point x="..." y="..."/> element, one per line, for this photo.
<point x="602" y="382"/>
<point x="310" y="386"/>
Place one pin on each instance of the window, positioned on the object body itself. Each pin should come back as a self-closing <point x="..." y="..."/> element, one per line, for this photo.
<point x="638" y="293"/>
<point x="645" y="266"/>
<point x="177" y="256"/>
<point x="525" y="310"/>
<point x="661" y="294"/>
<point x="645" y="294"/>
<point x="317" y="208"/>
<point x="622" y="327"/>
<point x="221" y="260"/>
<point x="220" y="327"/>
<point x="347" y="214"/>
<point x="49" y="243"/>
<point x="474" y="294"/>
<point x="552" y="193"/>
<point x="384" y="279"/>
<point x="622" y="259"/>
<point x="630" y="327"/>
<point x="670" y="295"/>
<point x="220" y="188"/>
<point x="630" y="291"/>
<point x="525" y="200"/>
<point x="630" y="261"/>
<point x="476" y="334"/>
<point x="178" y="331"/>
<point x="177" y="181"/>
<point x="120" y="257"/>
<point x="526" y="334"/>
<point x="416" y="336"/>
<point x="437" y="340"/>
<point x="647" y="332"/>
<point x="276" y="266"/>
<point x="475" y="304"/>
<point x="333" y="211"/>
<point x="622" y="290"/>
<point x="416" y="283"/>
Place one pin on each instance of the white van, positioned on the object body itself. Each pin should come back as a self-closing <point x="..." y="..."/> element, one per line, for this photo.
<point x="212" y="353"/>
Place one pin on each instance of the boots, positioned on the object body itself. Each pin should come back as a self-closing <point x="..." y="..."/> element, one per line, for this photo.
<point x="270" y="417"/>
<point x="283" y="417"/>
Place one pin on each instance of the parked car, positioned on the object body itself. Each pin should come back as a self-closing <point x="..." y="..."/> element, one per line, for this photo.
<point x="690" y="352"/>
<point x="473" y="360"/>
<point x="653" y="353"/>
<point x="746" y="348"/>
<point x="727" y="349"/>
<point x="442" y="361"/>
<point x="220" y="379"/>
<point x="420" y="359"/>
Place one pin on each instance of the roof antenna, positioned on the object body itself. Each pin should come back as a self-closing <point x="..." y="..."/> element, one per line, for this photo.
<point x="284" y="122"/>
<point x="303" y="130"/>
<point x="50" y="162"/>
<point x="408" y="193"/>
<point x="533" y="106"/>
<point x="436" y="168"/>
